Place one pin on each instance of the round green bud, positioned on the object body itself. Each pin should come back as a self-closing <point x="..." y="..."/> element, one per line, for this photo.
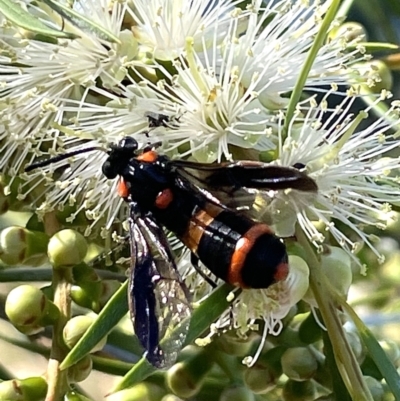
<point x="354" y="341"/>
<point x="299" y="363"/>
<point x="30" y="389"/>
<point x="336" y="266"/>
<point x="66" y="248"/>
<point x="171" y="397"/>
<point x="81" y="370"/>
<point x="28" y="309"/>
<point x="4" y="200"/>
<point x="76" y="327"/>
<point x="182" y="382"/>
<point x="349" y="31"/>
<point x="190" y="351"/>
<point x="141" y="392"/>
<point x="17" y="245"/>
<point x="237" y="393"/>
<point x="298" y="391"/>
<point x="232" y="344"/>
<point x="74" y="396"/>
<point x="186" y="378"/>
<point x="260" y="380"/>
<point x="85" y="297"/>
<point x="375" y="387"/>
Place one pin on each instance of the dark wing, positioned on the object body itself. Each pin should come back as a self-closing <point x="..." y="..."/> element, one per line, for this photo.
<point x="245" y="185"/>
<point x="158" y="299"/>
<point x="248" y="174"/>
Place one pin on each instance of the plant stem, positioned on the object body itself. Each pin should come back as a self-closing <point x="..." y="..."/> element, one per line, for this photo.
<point x="57" y="380"/>
<point x="344" y="357"/>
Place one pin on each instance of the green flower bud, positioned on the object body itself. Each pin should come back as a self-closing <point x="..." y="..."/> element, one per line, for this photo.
<point x="232" y="344"/>
<point x="76" y="327"/>
<point x="349" y="31"/>
<point x="299" y="363"/>
<point x="190" y="351"/>
<point x="66" y="248"/>
<point x="355" y="344"/>
<point x="141" y="392"/>
<point x="28" y="309"/>
<point x="85" y="297"/>
<point x="17" y="245"/>
<point x="271" y="359"/>
<point x="237" y="393"/>
<point x="260" y="380"/>
<point x="4" y="200"/>
<point x="171" y="397"/>
<point x="375" y="387"/>
<point x="375" y="76"/>
<point x="336" y="266"/>
<point x="30" y="389"/>
<point x="74" y="396"/>
<point x="81" y="370"/>
<point x="298" y="391"/>
<point x="186" y="378"/>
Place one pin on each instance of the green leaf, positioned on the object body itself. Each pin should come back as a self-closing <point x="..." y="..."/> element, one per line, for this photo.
<point x="202" y="317"/>
<point x="110" y="315"/>
<point x="373" y="47"/>
<point x="81" y="21"/>
<point x="312" y="54"/>
<point x="376" y="352"/>
<point x="22" y="18"/>
<point x="338" y="387"/>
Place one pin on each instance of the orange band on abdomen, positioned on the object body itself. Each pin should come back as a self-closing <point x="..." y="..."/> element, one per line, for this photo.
<point x="242" y="248"/>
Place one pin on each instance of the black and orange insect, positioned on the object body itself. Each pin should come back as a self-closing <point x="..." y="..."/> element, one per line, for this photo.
<point x="192" y="200"/>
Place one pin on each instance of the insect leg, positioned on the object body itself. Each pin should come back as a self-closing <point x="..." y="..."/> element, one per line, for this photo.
<point x="194" y="260"/>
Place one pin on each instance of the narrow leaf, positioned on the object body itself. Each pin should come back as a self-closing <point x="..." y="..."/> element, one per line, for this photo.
<point x="202" y="317"/>
<point x="377" y="354"/>
<point x="22" y="18"/>
<point x="339" y="389"/>
<point x="110" y="315"/>
<point x="311" y="56"/>
<point x="81" y="21"/>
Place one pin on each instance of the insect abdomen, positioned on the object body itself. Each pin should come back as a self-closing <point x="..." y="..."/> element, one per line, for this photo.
<point x="235" y="248"/>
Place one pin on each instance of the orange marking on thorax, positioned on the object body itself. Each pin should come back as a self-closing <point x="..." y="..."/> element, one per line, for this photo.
<point x="164" y="198"/>
<point x="242" y="248"/>
<point x="149" y="156"/>
<point x="122" y="189"/>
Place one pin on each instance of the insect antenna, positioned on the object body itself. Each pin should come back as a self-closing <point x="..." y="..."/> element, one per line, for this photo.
<point x="63" y="156"/>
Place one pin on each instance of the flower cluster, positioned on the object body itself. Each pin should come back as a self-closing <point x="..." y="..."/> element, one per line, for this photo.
<point x="221" y="75"/>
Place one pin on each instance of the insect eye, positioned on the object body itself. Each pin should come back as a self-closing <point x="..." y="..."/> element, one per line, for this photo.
<point x="108" y="170"/>
<point x="128" y="144"/>
<point x="299" y="166"/>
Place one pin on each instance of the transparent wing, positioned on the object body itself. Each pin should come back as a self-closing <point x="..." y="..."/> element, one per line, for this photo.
<point x="159" y="300"/>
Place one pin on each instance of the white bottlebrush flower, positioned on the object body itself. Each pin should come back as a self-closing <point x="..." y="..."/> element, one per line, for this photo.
<point x="356" y="176"/>
<point x="164" y="25"/>
<point x="39" y="77"/>
<point x="213" y="91"/>
<point x="269" y="305"/>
